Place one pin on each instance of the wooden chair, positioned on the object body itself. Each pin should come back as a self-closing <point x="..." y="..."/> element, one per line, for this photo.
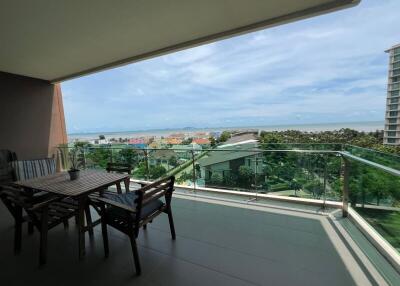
<point x="6" y="170"/>
<point x="44" y="212"/>
<point x="119" y="168"/>
<point x="130" y="211"/>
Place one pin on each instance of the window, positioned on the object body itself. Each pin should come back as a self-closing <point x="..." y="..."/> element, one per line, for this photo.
<point x="396" y="65"/>
<point x="397" y="51"/>
<point x="394" y="100"/>
<point x="392" y="127"/>
<point x="391" y="140"/>
<point x="394" y="86"/>
<point x="395" y="78"/>
<point x="393" y="107"/>
<point x="391" y="133"/>
<point x="395" y="93"/>
<point x="393" y="113"/>
<point x="396" y="58"/>
<point x="392" y="120"/>
<point x="396" y="72"/>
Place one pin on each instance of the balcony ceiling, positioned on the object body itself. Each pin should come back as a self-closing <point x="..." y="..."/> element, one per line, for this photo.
<point x="59" y="40"/>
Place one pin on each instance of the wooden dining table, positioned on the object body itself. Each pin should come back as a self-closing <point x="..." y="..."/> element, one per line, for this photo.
<point x="89" y="182"/>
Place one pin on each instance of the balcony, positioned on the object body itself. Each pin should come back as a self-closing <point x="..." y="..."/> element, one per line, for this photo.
<point x="313" y="217"/>
<point x="316" y="218"/>
<point x="219" y="242"/>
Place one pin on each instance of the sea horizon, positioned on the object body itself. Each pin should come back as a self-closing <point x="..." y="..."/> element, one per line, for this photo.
<point x="365" y="126"/>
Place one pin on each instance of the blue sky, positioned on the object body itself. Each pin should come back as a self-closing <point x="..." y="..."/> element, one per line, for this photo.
<point x="331" y="68"/>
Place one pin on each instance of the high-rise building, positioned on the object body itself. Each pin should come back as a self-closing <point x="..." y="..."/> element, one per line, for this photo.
<point x="392" y="117"/>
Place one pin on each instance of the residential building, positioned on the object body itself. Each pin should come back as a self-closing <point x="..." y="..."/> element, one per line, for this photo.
<point x="201" y="141"/>
<point x="185" y="151"/>
<point x="227" y="163"/>
<point x="392" y="116"/>
<point x="137" y="143"/>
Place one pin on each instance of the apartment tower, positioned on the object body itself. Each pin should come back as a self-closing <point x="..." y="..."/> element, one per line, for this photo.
<point x="392" y="117"/>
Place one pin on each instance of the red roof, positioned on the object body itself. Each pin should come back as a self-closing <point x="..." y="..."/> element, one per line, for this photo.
<point x="136" y="141"/>
<point x="201" y="141"/>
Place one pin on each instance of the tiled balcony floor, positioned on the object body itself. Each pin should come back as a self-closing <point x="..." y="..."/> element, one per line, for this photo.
<point x="216" y="245"/>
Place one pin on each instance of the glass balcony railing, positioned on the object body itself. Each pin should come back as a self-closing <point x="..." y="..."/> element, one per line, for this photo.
<point x="363" y="180"/>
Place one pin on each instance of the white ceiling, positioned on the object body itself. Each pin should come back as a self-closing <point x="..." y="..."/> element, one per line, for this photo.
<point x="56" y="40"/>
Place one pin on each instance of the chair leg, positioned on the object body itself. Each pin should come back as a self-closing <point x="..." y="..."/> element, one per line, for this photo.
<point x="30" y="228"/>
<point x="18" y="231"/>
<point x="43" y="248"/>
<point x="66" y="224"/>
<point x="89" y="220"/>
<point x="171" y="224"/>
<point x="105" y="237"/>
<point x="43" y="239"/>
<point x="135" y="254"/>
<point x="76" y="219"/>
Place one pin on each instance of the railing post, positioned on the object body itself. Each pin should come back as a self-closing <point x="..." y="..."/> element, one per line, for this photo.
<point x="194" y="171"/>
<point x="325" y="160"/>
<point x="346" y="174"/>
<point x="110" y="154"/>
<point x="84" y="157"/>
<point x="146" y="159"/>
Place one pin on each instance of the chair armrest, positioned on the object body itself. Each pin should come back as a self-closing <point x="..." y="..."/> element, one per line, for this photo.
<point x="115" y="204"/>
<point x="45" y="203"/>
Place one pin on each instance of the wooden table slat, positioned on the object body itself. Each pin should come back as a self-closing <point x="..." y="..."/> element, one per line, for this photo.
<point x="89" y="181"/>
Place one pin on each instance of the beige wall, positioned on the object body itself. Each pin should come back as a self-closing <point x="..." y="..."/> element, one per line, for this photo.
<point x="31" y="116"/>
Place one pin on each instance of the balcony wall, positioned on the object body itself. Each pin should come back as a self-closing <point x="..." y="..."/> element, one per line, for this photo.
<point x="32" y="116"/>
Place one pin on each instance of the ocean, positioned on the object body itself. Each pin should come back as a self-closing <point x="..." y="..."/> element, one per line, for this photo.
<point x="360" y="126"/>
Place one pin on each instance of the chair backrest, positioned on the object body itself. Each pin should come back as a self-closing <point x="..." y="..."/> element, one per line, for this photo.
<point x="6" y="170"/>
<point x="154" y="191"/>
<point x="13" y="198"/>
<point x="30" y="169"/>
<point x="119" y="168"/>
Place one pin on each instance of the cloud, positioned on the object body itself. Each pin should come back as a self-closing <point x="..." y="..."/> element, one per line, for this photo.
<point x="324" y="69"/>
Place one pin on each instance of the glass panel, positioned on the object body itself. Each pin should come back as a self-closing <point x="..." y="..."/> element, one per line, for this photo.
<point x="396" y="58"/>
<point x="311" y="175"/>
<point x="393" y="113"/>
<point x="396" y="72"/>
<point x="395" y="93"/>
<point x="391" y="133"/>
<point x="375" y="195"/>
<point x="393" y="106"/>
<point x="394" y="100"/>
<point x="391" y="140"/>
<point x="301" y="146"/>
<point x="382" y="158"/>
<point x="392" y="127"/>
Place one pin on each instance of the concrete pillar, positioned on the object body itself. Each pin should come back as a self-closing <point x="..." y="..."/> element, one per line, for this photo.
<point x="32" y="120"/>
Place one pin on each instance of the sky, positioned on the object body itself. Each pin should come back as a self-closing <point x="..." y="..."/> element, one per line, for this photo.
<point x="326" y="69"/>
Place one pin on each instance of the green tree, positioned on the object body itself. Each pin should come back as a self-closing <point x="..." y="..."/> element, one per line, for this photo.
<point x="224" y="136"/>
<point x="172" y="161"/>
<point x="216" y="179"/>
<point x="245" y="176"/>
<point x="157" y="172"/>
<point x="213" y="142"/>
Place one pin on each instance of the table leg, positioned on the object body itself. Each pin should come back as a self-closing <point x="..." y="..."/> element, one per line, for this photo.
<point x="89" y="221"/>
<point x="81" y="227"/>
<point x="119" y="191"/>
<point x="126" y="182"/>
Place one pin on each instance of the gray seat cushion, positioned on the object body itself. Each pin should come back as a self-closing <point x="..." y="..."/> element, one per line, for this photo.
<point x="129" y="200"/>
